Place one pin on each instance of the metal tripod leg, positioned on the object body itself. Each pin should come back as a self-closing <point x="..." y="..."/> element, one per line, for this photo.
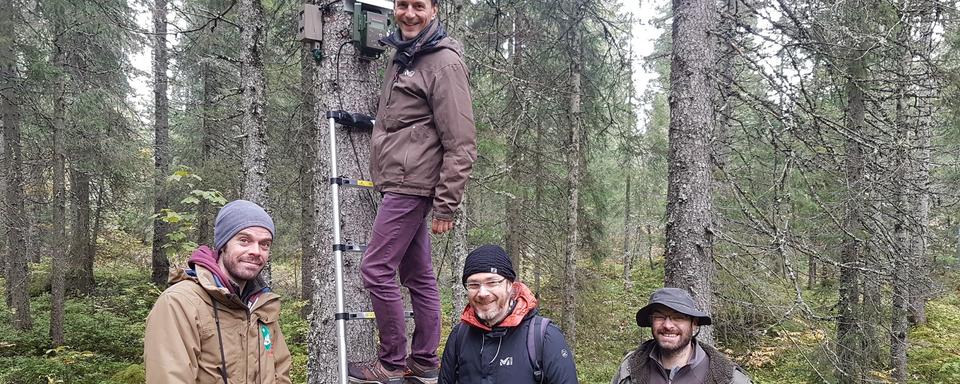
<point x="338" y="256"/>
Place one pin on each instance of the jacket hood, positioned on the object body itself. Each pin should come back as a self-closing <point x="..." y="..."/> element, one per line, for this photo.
<point x="431" y="39"/>
<point x="451" y="44"/>
<point x="203" y="258"/>
<point x="524" y="305"/>
<point x="210" y="260"/>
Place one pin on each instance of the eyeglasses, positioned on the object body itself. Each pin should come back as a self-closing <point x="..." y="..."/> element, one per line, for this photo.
<point x="674" y="317"/>
<point x="489" y="284"/>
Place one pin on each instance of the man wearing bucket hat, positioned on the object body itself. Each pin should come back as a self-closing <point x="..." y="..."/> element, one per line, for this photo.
<point x="674" y="355"/>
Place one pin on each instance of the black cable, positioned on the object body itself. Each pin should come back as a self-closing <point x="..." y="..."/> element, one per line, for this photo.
<point x="336" y="69"/>
<point x="223" y="359"/>
<point x="353" y="144"/>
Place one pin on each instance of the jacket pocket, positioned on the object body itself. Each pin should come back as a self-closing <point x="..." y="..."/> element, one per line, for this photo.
<point x="266" y="357"/>
<point x="392" y="156"/>
<point x="424" y="156"/>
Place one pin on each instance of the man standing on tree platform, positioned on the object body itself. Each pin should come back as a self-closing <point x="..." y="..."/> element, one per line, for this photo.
<point x="674" y="355"/>
<point x="501" y="338"/>
<point x="421" y="153"/>
<point x="218" y="321"/>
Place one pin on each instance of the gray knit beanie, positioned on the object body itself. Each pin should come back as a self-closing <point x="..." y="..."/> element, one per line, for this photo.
<point x="236" y="216"/>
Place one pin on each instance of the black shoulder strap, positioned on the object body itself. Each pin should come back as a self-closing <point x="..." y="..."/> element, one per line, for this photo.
<point x="535" y="333"/>
<point x="461" y="332"/>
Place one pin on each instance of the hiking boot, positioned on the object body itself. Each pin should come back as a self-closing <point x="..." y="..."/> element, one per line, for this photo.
<point x="420" y="374"/>
<point x="374" y="372"/>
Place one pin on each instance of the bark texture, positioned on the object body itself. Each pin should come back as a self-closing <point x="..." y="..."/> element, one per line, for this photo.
<point x="254" y="88"/>
<point x="849" y="334"/>
<point x="162" y="155"/>
<point x="58" y="266"/>
<point x="309" y="151"/>
<point x="345" y="82"/>
<point x="689" y="237"/>
<point x="17" y="261"/>
<point x="574" y="160"/>
<point x="627" y="236"/>
<point x="80" y="276"/>
<point x="460" y="250"/>
<point x="515" y="132"/>
<point x="253" y="84"/>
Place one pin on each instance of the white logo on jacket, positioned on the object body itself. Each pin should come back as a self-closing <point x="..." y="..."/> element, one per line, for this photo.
<point x="507" y="361"/>
<point x="408" y="73"/>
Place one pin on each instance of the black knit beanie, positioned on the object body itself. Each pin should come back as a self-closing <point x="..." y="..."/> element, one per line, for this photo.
<point x="488" y="258"/>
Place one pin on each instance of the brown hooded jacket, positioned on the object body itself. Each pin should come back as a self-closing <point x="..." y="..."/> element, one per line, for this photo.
<point x="182" y="343"/>
<point x="424" y="139"/>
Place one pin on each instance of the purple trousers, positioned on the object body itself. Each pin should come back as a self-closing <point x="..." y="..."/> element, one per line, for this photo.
<point x="400" y="243"/>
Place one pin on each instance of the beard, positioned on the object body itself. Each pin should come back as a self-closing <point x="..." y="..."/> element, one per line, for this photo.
<point x="490" y="314"/>
<point x="495" y="310"/>
<point x="669" y="348"/>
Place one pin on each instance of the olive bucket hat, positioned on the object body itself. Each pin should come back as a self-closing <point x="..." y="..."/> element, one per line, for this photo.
<point x="676" y="299"/>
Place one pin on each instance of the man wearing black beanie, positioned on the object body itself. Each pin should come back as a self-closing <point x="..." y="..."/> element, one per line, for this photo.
<point x="501" y="337"/>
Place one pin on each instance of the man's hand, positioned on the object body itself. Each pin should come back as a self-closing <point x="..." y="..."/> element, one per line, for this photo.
<point x="441" y="226"/>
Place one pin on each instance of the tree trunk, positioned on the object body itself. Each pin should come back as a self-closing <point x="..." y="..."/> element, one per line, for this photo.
<point x="59" y="263"/>
<point x="811" y="271"/>
<point x="357" y="206"/>
<point x="80" y="277"/>
<point x="161" y="144"/>
<point x="650" y="246"/>
<point x="900" y="268"/>
<point x="18" y="268"/>
<point x="689" y="237"/>
<point x="205" y="212"/>
<point x="538" y="207"/>
<point x="97" y="222"/>
<point x="925" y="99"/>
<point x="309" y="129"/>
<point x="514" y="216"/>
<point x="254" y="89"/>
<point x="848" y="331"/>
<point x="627" y="236"/>
<point x="458" y="294"/>
<point x="574" y="164"/>
<point x="4" y="266"/>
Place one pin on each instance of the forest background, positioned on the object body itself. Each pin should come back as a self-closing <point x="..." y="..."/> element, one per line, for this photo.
<point x="793" y="164"/>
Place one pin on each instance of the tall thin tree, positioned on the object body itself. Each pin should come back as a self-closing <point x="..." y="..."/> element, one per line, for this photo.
<point x="17" y="271"/>
<point x="848" y="333"/>
<point x="574" y="176"/>
<point x="161" y="141"/>
<point x="254" y="88"/>
<point x="343" y="82"/>
<point x="58" y="266"/>
<point x="689" y="234"/>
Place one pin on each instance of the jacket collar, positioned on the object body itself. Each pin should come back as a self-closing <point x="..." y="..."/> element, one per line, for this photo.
<point x="256" y="294"/>
<point x="525" y="303"/>
<point x="427" y="40"/>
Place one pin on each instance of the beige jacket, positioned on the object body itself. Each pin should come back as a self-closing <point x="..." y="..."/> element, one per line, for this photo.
<point x="424" y="139"/>
<point x="181" y="343"/>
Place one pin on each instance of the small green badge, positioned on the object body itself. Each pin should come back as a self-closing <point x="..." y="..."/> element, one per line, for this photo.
<point x="265" y="332"/>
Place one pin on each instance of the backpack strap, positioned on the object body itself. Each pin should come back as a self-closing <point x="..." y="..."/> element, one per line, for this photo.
<point x="461" y="330"/>
<point x="535" y="334"/>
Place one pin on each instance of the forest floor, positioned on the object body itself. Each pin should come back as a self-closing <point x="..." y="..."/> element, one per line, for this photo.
<point x="104" y="333"/>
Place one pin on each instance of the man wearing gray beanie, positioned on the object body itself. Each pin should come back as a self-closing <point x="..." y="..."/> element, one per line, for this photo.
<point x="218" y="318"/>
